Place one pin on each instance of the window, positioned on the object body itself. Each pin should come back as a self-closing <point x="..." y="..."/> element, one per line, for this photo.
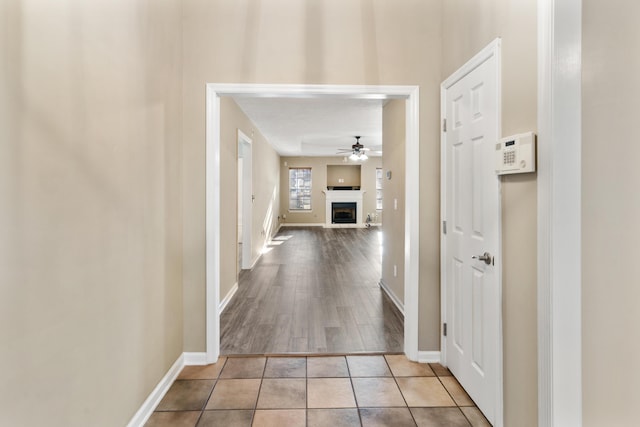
<point x="300" y="189"/>
<point x="379" y="189"/>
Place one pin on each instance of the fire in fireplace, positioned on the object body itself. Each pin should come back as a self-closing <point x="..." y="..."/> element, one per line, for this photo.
<point x="343" y="213"/>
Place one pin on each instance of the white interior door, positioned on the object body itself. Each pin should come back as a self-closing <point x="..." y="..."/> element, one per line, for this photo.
<point x="471" y="209"/>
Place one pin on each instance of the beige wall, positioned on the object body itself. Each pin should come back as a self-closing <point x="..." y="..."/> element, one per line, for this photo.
<point x="610" y="213"/>
<point x="394" y="143"/>
<point x="265" y="187"/>
<point x="349" y="174"/>
<point x="319" y="179"/>
<point x="90" y="172"/>
<point x="468" y="26"/>
<point x="319" y="42"/>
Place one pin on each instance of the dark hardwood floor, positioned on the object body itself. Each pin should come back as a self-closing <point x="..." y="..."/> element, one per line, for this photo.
<point x="315" y="291"/>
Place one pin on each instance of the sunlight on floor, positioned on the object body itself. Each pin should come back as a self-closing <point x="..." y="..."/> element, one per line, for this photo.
<point x="276" y="241"/>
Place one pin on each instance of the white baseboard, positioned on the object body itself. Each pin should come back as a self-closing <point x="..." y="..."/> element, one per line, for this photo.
<point x="225" y="301"/>
<point x="254" y="262"/>
<point x="273" y="234"/>
<point x="195" y="359"/>
<point x="149" y="405"/>
<point x="429" y="356"/>
<point x="293" y="224"/>
<point x="396" y="301"/>
<point x="344" y="225"/>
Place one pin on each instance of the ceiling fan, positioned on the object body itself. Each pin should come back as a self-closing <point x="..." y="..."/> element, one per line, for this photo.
<point x="357" y="150"/>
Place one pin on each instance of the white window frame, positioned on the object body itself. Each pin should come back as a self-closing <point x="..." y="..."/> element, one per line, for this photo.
<point x="297" y="189"/>
<point x="379" y="180"/>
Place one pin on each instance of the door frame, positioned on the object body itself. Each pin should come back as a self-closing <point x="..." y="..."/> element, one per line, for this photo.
<point x="247" y="202"/>
<point x="559" y="213"/>
<point x="213" y="182"/>
<point x="492" y="50"/>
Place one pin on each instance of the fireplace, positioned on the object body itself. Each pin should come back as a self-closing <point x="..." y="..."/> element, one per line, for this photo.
<point x="343" y="213"/>
<point x="349" y="205"/>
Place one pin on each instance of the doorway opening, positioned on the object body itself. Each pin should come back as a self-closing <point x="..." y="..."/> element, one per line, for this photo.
<point x="213" y="183"/>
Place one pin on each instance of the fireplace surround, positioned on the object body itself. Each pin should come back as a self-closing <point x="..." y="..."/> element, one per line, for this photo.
<point x="353" y="198"/>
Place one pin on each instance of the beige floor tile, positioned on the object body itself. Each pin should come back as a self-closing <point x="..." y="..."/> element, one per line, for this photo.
<point x="232" y="418"/>
<point x="424" y="391"/>
<point x="279" y="418"/>
<point x="377" y="392"/>
<point x="368" y="366"/>
<point x="456" y="391"/>
<point x="286" y="367"/>
<point x="204" y="372"/>
<point x="283" y="393"/>
<point x="440" y="370"/>
<point x="173" y="419"/>
<point x="475" y="416"/>
<point x="327" y="367"/>
<point x="403" y="367"/>
<point x="330" y="393"/>
<point x="234" y="394"/>
<point x="186" y="395"/>
<point x="333" y="417"/>
<point x="439" y="417"/>
<point x="386" y="417"/>
<point x="243" y="367"/>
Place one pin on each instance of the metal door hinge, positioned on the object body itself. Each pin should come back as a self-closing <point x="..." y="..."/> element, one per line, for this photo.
<point x="444" y="125"/>
<point x="444" y="227"/>
<point x="444" y="329"/>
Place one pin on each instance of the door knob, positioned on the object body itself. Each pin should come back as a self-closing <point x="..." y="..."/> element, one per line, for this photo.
<point x="486" y="257"/>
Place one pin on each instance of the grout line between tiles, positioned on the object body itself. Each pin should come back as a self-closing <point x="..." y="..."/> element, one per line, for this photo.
<point x="395" y="380"/>
<point x="353" y="390"/>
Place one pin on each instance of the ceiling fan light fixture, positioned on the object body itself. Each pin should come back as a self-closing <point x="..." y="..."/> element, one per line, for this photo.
<point x="358" y="152"/>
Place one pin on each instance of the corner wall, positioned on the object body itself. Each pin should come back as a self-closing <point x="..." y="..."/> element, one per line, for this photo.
<point x="393" y="225"/>
<point x="468" y="26"/>
<point x="91" y="215"/>
<point x="265" y="179"/>
<point x="610" y="213"/>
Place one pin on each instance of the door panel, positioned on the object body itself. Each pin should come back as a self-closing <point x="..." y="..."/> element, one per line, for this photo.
<point x="472" y="205"/>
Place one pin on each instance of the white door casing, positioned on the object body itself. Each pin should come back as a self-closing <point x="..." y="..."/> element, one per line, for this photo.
<point x="471" y="208"/>
<point x="245" y="150"/>
<point x="213" y="183"/>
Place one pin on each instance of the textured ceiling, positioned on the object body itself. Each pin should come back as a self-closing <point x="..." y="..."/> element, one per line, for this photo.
<point x="316" y="126"/>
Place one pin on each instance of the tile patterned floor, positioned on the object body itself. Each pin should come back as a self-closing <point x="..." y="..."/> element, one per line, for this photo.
<point x="318" y="391"/>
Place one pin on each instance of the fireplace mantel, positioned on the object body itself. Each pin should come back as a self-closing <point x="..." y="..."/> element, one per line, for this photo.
<point x="344" y="196"/>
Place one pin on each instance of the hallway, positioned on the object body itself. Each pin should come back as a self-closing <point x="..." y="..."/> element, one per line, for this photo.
<point x="314" y="291"/>
<point x="333" y="391"/>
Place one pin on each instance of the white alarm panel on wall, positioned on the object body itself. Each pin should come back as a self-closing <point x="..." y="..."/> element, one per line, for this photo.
<point x="516" y="154"/>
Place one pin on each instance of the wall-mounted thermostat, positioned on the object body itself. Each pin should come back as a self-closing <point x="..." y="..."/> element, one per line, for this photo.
<point x="516" y="154"/>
